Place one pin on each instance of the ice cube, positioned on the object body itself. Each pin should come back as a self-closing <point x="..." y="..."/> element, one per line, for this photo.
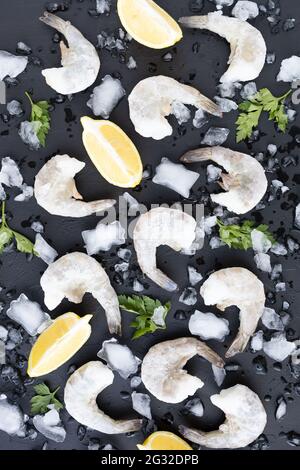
<point x="103" y="237"/>
<point x="226" y="105"/>
<point x="181" y="112"/>
<point x="245" y="10"/>
<point x="272" y="320"/>
<point x="175" y="176"/>
<point x="228" y="90"/>
<point x="291" y="114"/>
<point x="28" y="314"/>
<point x="219" y="374"/>
<point x="188" y="296"/>
<point x="119" y="358"/>
<point x="121" y="267"/>
<point x="278" y="348"/>
<point x="213" y="173"/>
<point x="44" y="250"/>
<point x="194" y="276"/>
<point x="276" y="271"/>
<point x="28" y="134"/>
<point x="26" y="194"/>
<point x="215" y="136"/>
<point x="257" y="341"/>
<point x="281" y="409"/>
<point x="279" y="249"/>
<point x="124" y="254"/>
<point x="131" y="63"/>
<point x="208" y="326"/>
<point x="248" y="91"/>
<point x="216" y="242"/>
<point x="263" y="262"/>
<point x="11" y="65"/>
<point x="141" y="404"/>
<point x="10" y="174"/>
<point x="14" y="108"/>
<point x="3" y="333"/>
<point x="195" y="407"/>
<point x="135" y="381"/>
<point x="2" y="352"/>
<point x="272" y="149"/>
<point x="37" y="226"/>
<point x="289" y="70"/>
<point x="280" y="287"/>
<point x="106" y="96"/>
<point x="200" y="118"/>
<point x="103" y="6"/>
<point x="158" y="316"/>
<point x="297" y="216"/>
<point x="137" y="286"/>
<point x="22" y="48"/>
<point x="11" y="418"/>
<point x="50" y="426"/>
<point x="260" y="242"/>
<point x="270" y="58"/>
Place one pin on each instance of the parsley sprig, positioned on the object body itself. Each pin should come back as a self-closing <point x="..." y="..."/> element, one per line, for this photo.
<point x="43" y="398"/>
<point x="144" y="308"/>
<point x="40" y="117"/>
<point x="7" y="235"/>
<point x="251" y="109"/>
<point x="239" y="236"/>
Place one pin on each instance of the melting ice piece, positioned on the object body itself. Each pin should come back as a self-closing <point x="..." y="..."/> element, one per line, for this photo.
<point x="260" y="242"/>
<point x="124" y="254"/>
<point x="257" y="341"/>
<point x="263" y="262"/>
<point x="272" y="320"/>
<point x="28" y="133"/>
<point x="226" y="105"/>
<point x="141" y="404"/>
<point x="11" y="65"/>
<point x="11" y="417"/>
<point x="29" y="315"/>
<point x="215" y="136"/>
<point x="195" y="407"/>
<point x="175" y="176"/>
<point x="228" y="90"/>
<point x="213" y="173"/>
<point x="135" y="381"/>
<point x="137" y="286"/>
<point x="103" y="6"/>
<point x="44" y="250"/>
<point x="200" y="118"/>
<point x="119" y="358"/>
<point x="208" y="326"/>
<point x="245" y="10"/>
<point x="209" y="223"/>
<point x="289" y="70"/>
<point x="14" y="108"/>
<point x="158" y="316"/>
<point x="281" y="409"/>
<point x="188" y="296"/>
<point x="279" y="249"/>
<point x="181" y="112"/>
<point x="2" y="352"/>
<point x="297" y="216"/>
<point x="131" y="63"/>
<point x="3" y="333"/>
<point x="103" y="237"/>
<point x="248" y="91"/>
<point x="194" y="276"/>
<point x="10" y="174"/>
<point x="26" y="194"/>
<point x="219" y="374"/>
<point x="50" y="426"/>
<point x="106" y="96"/>
<point x="278" y="348"/>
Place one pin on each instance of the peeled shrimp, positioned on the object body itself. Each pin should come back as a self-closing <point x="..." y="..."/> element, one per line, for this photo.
<point x="81" y="392"/>
<point x="79" y="60"/>
<point x="162" y="226"/>
<point x="245" y="420"/>
<point x="248" y="47"/>
<point x="73" y="275"/>
<point x="245" y="183"/>
<point x="162" y="368"/>
<point x="240" y="287"/>
<point x="55" y="189"/>
<point x="151" y="101"/>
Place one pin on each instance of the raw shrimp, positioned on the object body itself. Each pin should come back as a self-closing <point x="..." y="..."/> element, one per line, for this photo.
<point x="81" y="392"/>
<point x="248" y="47"/>
<point x="73" y="275"/>
<point x="162" y="226"/>
<point x="55" y="189"/>
<point x="240" y="287"/>
<point x="79" y="60"/>
<point x="151" y="100"/>
<point x="245" y="183"/>
<point x="162" y="368"/>
<point x="245" y="420"/>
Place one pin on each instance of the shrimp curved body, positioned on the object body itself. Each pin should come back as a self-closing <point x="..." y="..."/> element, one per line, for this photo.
<point x="162" y="226"/>
<point x="248" y="47"/>
<point x="73" y="275"/>
<point x="240" y="287"/>
<point x="81" y="392"/>
<point x="245" y="182"/>
<point x="151" y="101"/>
<point x="245" y="420"/>
<point x="55" y="189"/>
<point x="162" y="368"/>
<point x="80" y="61"/>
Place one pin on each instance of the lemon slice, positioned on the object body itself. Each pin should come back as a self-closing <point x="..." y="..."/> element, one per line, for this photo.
<point x="58" y="343"/>
<point x="112" y="152"/>
<point x="148" y="24"/>
<point x="164" y="440"/>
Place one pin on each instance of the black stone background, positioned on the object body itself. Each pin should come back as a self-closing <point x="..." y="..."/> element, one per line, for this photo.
<point x="19" y="22"/>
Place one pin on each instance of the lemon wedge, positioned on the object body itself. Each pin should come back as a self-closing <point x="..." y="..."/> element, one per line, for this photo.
<point x="164" y="440"/>
<point x="58" y="343"/>
<point x="148" y="24"/>
<point x="112" y="152"/>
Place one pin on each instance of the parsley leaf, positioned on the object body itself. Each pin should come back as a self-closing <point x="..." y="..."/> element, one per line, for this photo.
<point x="239" y="236"/>
<point x="144" y="307"/>
<point x="24" y="245"/>
<point x="43" y="398"/>
<point x="251" y="109"/>
<point x="40" y="117"/>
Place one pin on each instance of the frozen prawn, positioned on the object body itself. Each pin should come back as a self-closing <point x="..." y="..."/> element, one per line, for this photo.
<point x="245" y="183"/>
<point x="73" y="275"/>
<point x="248" y="47"/>
<point x="162" y="368"/>
<point x="151" y="101"/>
<point x="240" y="287"/>
<point x="55" y="189"/>
<point x="80" y="61"/>
<point x="81" y="392"/>
<point x="245" y="420"/>
<point x="162" y="226"/>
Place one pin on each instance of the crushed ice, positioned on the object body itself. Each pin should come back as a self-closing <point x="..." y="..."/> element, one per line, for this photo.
<point x="175" y="176"/>
<point x="106" y="96"/>
<point x="119" y="358"/>
<point x="103" y="237"/>
<point x="29" y="315"/>
<point x="208" y="326"/>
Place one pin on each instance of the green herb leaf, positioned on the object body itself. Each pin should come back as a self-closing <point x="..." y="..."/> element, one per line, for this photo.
<point x="239" y="236"/>
<point x="43" y="398"/>
<point x="24" y="245"/>
<point x="41" y="118"/>
<point x="144" y="308"/>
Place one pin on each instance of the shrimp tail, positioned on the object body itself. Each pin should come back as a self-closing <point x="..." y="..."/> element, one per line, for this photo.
<point x="102" y="204"/>
<point x="193" y="435"/>
<point x="209" y="106"/>
<point x="54" y="21"/>
<point x="130" y="425"/>
<point x="238" y="346"/>
<point x="114" y="326"/>
<point x="204" y="351"/>
<point x="199" y="22"/>
<point x="197" y="155"/>
<point x="162" y="280"/>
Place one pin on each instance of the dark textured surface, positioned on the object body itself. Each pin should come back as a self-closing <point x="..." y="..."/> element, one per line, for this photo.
<point x="19" y="22"/>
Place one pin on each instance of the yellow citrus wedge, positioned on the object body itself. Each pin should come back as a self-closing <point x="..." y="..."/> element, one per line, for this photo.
<point x="58" y="343"/>
<point x="164" y="440"/>
<point x="148" y="24"/>
<point x="112" y="152"/>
